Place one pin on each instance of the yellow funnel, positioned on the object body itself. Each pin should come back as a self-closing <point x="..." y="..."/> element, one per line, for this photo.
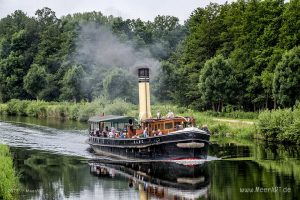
<point x="144" y="94"/>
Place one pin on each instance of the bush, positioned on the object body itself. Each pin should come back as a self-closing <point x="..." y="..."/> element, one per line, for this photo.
<point x="59" y="111"/>
<point x="220" y="129"/>
<point x="280" y="125"/>
<point x="3" y="109"/>
<point x="37" y="109"/>
<point x="117" y="107"/>
<point x="87" y="110"/>
<point x="74" y="111"/>
<point x="9" y="181"/>
<point x="291" y="134"/>
<point x="12" y="107"/>
<point x="17" y="107"/>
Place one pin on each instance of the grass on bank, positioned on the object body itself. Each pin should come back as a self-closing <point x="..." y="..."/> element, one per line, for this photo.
<point x="65" y="110"/>
<point x="8" y="178"/>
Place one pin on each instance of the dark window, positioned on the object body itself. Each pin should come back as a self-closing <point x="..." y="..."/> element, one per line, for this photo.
<point x="168" y="125"/>
<point x="144" y="72"/>
<point x="177" y="123"/>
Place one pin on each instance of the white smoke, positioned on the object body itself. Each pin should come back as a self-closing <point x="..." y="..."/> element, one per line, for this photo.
<point x="99" y="49"/>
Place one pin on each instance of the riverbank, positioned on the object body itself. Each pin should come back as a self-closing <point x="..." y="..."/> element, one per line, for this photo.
<point x="82" y="111"/>
<point x="282" y="125"/>
<point x="8" y="183"/>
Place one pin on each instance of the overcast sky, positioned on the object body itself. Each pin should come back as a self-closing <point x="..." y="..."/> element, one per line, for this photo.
<point x="144" y="9"/>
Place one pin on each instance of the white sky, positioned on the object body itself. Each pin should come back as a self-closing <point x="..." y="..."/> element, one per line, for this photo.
<point x="146" y="10"/>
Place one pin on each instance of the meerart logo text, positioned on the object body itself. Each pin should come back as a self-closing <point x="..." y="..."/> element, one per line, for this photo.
<point x="265" y="189"/>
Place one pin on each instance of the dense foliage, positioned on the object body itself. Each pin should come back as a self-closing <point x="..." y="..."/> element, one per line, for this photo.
<point x="280" y="125"/>
<point x="9" y="181"/>
<point x="81" y="56"/>
<point x="252" y="46"/>
<point x="242" y="55"/>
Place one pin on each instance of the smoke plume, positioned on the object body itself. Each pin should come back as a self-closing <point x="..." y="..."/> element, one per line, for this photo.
<point x="99" y="49"/>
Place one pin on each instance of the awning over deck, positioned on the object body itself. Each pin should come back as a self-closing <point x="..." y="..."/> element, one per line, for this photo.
<point x="110" y="118"/>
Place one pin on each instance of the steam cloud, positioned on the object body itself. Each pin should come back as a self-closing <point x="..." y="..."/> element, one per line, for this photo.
<point x="99" y="51"/>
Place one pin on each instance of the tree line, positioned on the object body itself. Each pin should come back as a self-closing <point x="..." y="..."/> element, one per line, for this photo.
<point x="243" y="55"/>
<point x="40" y="56"/>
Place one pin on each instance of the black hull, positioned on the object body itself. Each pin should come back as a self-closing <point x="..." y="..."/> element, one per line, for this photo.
<point x="189" y="143"/>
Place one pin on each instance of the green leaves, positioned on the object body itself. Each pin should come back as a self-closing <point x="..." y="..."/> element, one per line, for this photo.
<point x="72" y="84"/>
<point x="286" y="83"/>
<point x="280" y="125"/>
<point x="35" y="80"/>
<point x="216" y="83"/>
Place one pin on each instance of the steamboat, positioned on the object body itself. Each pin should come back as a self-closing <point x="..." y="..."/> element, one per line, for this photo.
<point x="167" y="137"/>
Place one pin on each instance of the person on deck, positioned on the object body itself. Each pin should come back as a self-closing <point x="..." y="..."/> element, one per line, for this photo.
<point x="105" y="132"/>
<point x="145" y="133"/>
<point x="158" y="114"/>
<point x="170" y="114"/>
<point x="159" y="132"/>
<point x="112" y="133"/>
<point x="153" y="133"/>
<point x="122" y="136"/>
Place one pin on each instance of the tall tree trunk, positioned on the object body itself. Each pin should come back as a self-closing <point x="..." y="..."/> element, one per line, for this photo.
<point x="267" y="99"/>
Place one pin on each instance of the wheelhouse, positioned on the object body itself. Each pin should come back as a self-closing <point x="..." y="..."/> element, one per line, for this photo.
<point x="166" y="125"/>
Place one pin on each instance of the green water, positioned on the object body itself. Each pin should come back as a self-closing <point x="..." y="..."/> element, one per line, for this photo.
<point x="52" y="162"/>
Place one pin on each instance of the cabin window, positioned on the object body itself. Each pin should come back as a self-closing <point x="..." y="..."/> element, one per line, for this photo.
<point x="177" y="123"/>
<point x="168" y="125"/>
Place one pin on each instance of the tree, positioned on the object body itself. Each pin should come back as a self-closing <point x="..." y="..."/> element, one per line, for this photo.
<point x="290" y="29"/>
<point x="119" y="83"/>
<point x="35" y="80"/>
<point x="286" y="84"/>
<point x="216" y="83"/>
<point x="18" y="44"/>
<point x="267" y="83"/>
<point x="72" y="84"/>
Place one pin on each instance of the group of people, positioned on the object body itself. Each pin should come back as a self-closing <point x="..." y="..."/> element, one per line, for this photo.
<point x="113" y="133"/>
<point x="170" y="114"/>
<point x="146" y="133"/>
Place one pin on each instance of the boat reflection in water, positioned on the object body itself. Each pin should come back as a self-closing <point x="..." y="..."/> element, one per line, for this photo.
<point x="160" y="180"/>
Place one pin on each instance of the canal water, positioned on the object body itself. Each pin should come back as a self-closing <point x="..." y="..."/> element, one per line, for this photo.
<point x="53" y="161"/>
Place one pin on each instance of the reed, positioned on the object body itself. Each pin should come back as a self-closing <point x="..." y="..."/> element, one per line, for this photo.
<point x="66" y="110"/>
<point x="9" y="180"/>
